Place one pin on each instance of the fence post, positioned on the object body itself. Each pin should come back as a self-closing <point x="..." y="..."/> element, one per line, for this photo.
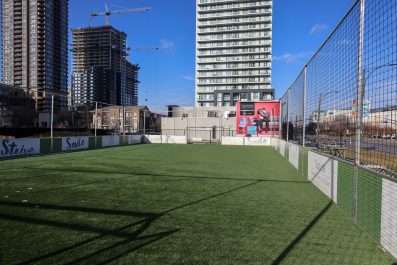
<point x="288" y="99"/>
<point x="361" y="85"/>
<point x="304" y="105"/>
<point x="144" y="121"/>
<point x="280" y="121"/>
<point x="96" y="121"/>
<point x="123" y="123"/>
<point x="52" y="123"/>
<point x="359" y="114"/>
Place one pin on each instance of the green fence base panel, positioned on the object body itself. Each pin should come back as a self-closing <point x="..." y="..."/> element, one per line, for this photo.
<point x="91" y="142"/>
<point x="94" y="145"/>
<point x="99" y="142"/>
<point x="303" y="161"/>
<point x="369" y="202"/>
<point x="123" y="140"/>
<point x="45" y="145"/>
<point x="345" y="187"/>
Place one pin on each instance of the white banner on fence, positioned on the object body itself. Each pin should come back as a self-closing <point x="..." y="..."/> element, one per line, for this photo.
<point x="263" y="141"/>
<point x="294" y="155"/>
<point x="389" y="216"/>
<point x="74" y="143"/>
<point x="230" y="140"/>
<point x="154" y="139"/>
<point x="281" y="146"/>
<point x="19" y="147"/>
<point x="134" y="139"/>
<point x="165" y="139"/>
<point x="239" y="140"/>
<point x="171" y="139"/>
<point x="110" y="140"/>
<point x="323" y="173"/>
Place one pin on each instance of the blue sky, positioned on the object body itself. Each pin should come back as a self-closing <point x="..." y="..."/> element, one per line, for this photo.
<point x="167" y="76"/>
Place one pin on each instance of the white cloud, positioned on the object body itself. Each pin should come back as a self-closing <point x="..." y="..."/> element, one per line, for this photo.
<point x="291" y="57"/>
<point x="317" y="28"/>
<point x="189" y="77"/>
<point x="166" y="44"/>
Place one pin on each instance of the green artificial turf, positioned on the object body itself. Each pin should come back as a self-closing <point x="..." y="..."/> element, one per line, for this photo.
<point x="172" y="204"/>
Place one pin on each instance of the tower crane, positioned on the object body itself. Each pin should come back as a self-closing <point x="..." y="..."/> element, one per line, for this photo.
<point x="108" y="13"/>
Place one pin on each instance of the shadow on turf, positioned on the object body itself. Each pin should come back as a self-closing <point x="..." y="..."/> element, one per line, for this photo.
<point x="301" y="235"/>
<point x="137" y="174"/>
<point x="107" y="253"/>
<point x="140" y="174"/>
<point x="111" y="252"/>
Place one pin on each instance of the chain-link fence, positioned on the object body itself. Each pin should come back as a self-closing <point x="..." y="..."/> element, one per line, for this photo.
<point x="344" y="101"/>
<point x="36" y="113"/>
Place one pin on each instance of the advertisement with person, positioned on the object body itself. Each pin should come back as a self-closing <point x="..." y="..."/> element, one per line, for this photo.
<point x="258" y="118"/>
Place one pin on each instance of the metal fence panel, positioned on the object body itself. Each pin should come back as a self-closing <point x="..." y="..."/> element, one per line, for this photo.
<point x="344" y="102"/>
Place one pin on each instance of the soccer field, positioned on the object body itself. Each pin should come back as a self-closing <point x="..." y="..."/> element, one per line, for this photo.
<point x="172" y="204"/>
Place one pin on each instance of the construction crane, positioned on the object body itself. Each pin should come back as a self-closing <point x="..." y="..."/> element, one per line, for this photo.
<point x="108" y="13"/>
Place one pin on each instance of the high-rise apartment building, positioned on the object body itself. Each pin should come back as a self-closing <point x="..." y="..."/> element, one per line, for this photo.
<point x="35" y="48"/>
<point x="130" y="97"/>
<point x="233" y="51"/>
<point x="101" y="71"/>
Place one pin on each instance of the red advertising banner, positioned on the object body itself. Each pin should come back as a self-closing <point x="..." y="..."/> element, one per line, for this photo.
<point x="258" y="118"/>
